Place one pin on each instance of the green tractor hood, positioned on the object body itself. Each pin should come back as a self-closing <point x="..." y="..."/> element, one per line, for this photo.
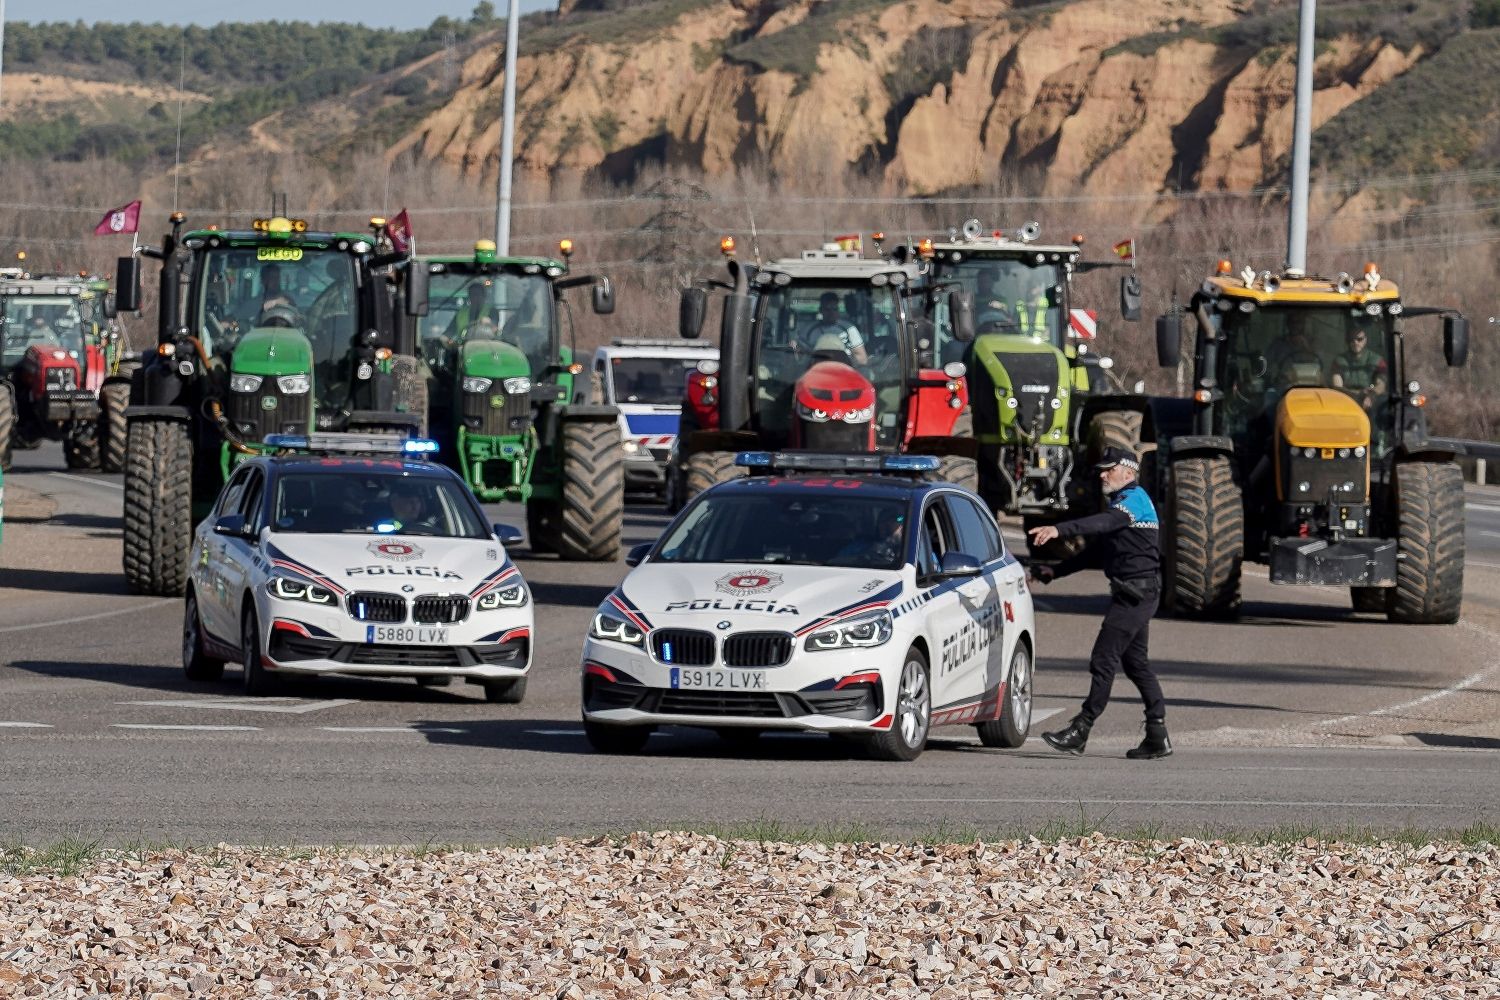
<point x="272" y="351"/>
<point x="492" y="359"/>
<point x="1032" y="386"/>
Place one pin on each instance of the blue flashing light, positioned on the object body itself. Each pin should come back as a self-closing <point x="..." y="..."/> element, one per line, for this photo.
<point x="296" y="442"/>
<point x="911" y="463"/>
<point x="666" y="652"/>
<point x="420" y="446"/>
<point x="387" y="527"/>
<point x="754" y="459"/>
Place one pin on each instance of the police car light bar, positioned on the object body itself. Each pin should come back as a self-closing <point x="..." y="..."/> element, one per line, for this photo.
<point x="327" y="443"/>
<point x="811" y="461"/>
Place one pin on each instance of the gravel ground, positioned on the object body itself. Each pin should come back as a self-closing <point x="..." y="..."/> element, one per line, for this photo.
<point x="680" y="915"/>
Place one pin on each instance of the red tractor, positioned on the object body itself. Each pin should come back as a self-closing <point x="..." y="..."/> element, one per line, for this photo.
<point x="827" y="351"/>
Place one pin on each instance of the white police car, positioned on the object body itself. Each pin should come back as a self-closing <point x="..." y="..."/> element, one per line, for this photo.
<point x="348" y="557"/>
<point x="825" y="593"/>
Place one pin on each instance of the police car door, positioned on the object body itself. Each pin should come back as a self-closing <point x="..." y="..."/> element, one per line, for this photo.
<point x="237" y="566"/>
<point x="952" y="632"/>
<point x="208" y="571"/>
<point x="984" y="601"/>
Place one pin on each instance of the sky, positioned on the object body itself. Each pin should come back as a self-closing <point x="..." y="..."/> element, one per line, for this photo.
<point x="375" y="13"/>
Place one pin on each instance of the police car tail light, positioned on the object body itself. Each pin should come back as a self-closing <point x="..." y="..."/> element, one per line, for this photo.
<point x="295" y="590"/>
<point x="244" y="383"/>
<point x="294" y="385"/>
<point x="612" y="629"/>
<point x="858" y="633"/>
<point x="510" y="597"/>
<point x="860" y="416"/>
<point x="474" y="383"/>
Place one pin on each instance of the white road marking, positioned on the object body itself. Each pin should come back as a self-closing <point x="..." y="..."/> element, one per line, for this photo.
<point x="24" y="725"/>
<point x="1492" y="508"/>
<point x="390" y="729"/>
<point x="284" y="706"/>
<point x="1045" y="713"/>
<point x="1451" y="689"/>
<point x="1175" y="802"/>
<point x="118" y="486"/>
<point x="197" y="729"/>
<point x="1491" y="534"/>
<point x="82" y="618"/>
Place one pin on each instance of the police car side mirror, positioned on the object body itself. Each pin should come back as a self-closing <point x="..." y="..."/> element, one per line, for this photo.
<point x="959" y="564"/>
<point x="508" y="534"/>
<point x="232" y="526"/>
<point x="638" y="554"/>
<point x="1456" y="340"/>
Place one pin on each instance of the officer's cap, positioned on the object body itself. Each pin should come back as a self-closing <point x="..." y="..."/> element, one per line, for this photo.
<point x="1117" y="456"/>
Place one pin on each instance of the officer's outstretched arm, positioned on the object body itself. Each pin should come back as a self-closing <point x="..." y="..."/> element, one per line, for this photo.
<point x="1102" y="523"/>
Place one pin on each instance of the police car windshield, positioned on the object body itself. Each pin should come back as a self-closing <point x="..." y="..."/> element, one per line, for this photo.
<point x="791" y="527"/>
<point x="352" y="501"/>
<point x="658" y="381"/>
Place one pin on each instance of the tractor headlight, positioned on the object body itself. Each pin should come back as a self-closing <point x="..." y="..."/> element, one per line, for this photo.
<point x="1343" y="453"/>
<point x="288" y="589"/>
<point x="474" y="383"/>
<point x="859" y="633"/>
<point x="509" y="597"/>
<point x="612" y="629"/>
<point x="1359" y="452"/>
<point x="1309" y="453"/>
<point x="244" y="383"/>
<point x="629" y="447"/>
<point x="518" y="385"/>
<point x="295" y="385"/>
<point x="863" y="416"/>
<point x="810" y="413"/>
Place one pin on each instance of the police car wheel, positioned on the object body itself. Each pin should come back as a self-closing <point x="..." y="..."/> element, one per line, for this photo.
<point x="1009" y="731"/>
<point x="195" y="663"/>
<point x="907" y="736"/>
<point x="616" y="739"/>
<point x="505" y="692"/>
<point x="257" y="682"/>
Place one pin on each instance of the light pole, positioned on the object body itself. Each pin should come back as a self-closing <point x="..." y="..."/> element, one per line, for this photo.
<point x="507" y="129"/>
<point x="1296" y="236"/>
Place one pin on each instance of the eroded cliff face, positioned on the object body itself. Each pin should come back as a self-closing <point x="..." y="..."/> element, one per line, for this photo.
<point x="929" y="94"/>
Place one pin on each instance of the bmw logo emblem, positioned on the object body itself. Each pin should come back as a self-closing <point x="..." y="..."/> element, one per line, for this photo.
<point x="723" y="626"/>
<point x="407" y="588"/>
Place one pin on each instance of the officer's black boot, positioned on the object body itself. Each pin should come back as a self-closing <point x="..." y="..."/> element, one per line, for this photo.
<point x="1156" y="743"/>
<point x="1071" y="739"/>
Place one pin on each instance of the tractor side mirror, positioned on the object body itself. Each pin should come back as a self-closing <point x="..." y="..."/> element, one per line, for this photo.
<point x="110" y="309"/>
<point x="128" y="284"/>
<point x="691" y="312"/>
<point x="604" y="295"/>
<point x="1168" y="340"/>
<point x="416" y="289"/>
<point x="1130" y="298"/>
<point x="961" y="312"/>
<point x="1456" y="340"/>
<point x="638" y="554"/>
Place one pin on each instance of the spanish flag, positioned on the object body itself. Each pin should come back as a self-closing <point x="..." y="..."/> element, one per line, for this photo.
<point x="1125" y="249"/>
<point x="851" y="242"/>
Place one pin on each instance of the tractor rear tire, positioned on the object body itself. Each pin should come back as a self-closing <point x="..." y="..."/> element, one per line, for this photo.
<point x="81" y="446"/>
<point x="158" y="507"/>
<point x="7" y="425"/>
<point x="1430" y="536"/>
<point x="593" y="492"/>
<point x="1114" y="429"/>
<point x="1205" y="543"/>
<point x="707" y="468"/>
<point x="958" y="470"/>
<point x="113" y="398"/>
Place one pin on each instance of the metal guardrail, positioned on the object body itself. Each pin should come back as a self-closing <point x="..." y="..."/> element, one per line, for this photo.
<point x="1488" y="450"/>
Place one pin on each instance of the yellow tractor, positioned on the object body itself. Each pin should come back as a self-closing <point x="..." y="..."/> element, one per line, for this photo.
<point x="1303" y="445"/>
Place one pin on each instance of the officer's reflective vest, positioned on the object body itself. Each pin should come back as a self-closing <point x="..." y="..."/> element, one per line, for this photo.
<point x="1032" y="318"/>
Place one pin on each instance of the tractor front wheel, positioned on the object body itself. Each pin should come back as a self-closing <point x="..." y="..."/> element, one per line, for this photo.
<point x="113" y="398"/>
<point x="7" y="424"/>
<point x="1205" y="538"/>
<point x="958" y="470"/>
<point x="81" y="446"/>
<point x="1430" y="536"/>
<point x="593" y="492"/>
<point x="158" y="507"/>
<point x="707" y="468"/>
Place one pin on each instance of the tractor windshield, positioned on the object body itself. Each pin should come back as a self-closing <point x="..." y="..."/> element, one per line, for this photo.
<point x="1268" y="351"/>
<point x="803" y="323"/>
<point x="1010" y="296"/>
<point x="43" y="320"/>
<point x="302" y="288"/>
<point x="505" y="305"/>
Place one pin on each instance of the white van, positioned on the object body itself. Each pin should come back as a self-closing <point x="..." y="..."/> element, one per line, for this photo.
<point x="645" y="379"/>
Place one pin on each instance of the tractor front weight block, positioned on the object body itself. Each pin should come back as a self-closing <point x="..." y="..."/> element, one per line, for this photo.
<point x="1352" y="562"/>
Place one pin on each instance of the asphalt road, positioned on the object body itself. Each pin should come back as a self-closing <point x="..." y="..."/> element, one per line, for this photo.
<point x="1300" y="715"/>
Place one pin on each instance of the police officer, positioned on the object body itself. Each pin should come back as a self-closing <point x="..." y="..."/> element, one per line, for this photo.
<point x="1129" y="532"/>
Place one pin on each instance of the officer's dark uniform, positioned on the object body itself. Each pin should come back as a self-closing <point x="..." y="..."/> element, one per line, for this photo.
<point x="1127" y="536"/>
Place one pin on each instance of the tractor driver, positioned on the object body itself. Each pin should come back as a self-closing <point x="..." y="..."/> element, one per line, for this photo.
<point x="272" y="297"/>
<point x="1032" y="308"/>
<point x="1360" y="370"/>
<point x="472" y="321"/>
<point x="830" y="324"/>
<point x="1292" y="359"/>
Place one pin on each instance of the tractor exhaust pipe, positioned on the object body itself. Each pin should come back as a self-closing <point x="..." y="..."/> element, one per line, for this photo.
<point x="735" y="373"/>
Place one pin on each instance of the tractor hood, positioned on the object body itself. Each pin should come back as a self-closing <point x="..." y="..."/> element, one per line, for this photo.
<point x="272" y="351"/>
<point x="1031" y="383"/>
<point x="1321" y="418"/>
<point x="836" y="389"/>
<point x="492" y="359"/>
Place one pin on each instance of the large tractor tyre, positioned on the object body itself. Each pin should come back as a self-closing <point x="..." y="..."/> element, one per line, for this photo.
<point x="7" y="425"/>
<point x="963" y="427"/>
<point x="1369" y="600"/>
<point x="1205" y="538"/>
<point x="1430" y="536"/>
<point x="411" y="389"/>
<point x="113" y="398"/>
<point x="957" y="470"/>
<point x="1113" y="429"/>
<point x="158" y="507"/>
<point x="707" y="468"/>
<point x="81" y="446"/>
<point x="593" y="492"/>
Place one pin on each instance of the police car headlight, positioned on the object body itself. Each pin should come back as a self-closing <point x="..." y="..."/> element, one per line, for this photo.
<point x="294" y="385"/>
<point x="612" y="629"/>
<point x="859" y="633"/>
<point x="244" y="383"/>
<point x="860" y="416"/>
<point x="474" y="383"/>
<point x="288" y="589"/>
<point x="510" y="597"/>
<point x="517" y="385"/>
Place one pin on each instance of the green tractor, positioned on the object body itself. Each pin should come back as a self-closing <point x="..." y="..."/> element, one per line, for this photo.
<point x="271" y="330"/>
<point x="1043" y="404"/>
<point x="507" y="406"/>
